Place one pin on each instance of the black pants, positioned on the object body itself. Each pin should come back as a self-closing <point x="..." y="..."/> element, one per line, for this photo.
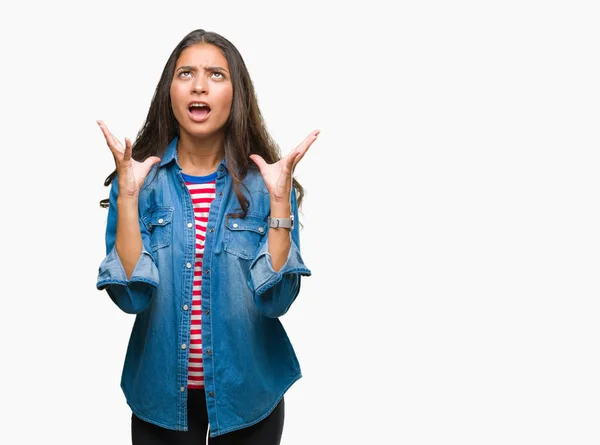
<point x="266" y="432"/>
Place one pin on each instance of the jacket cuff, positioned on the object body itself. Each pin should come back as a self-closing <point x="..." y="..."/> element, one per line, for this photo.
<point x="111" y="271"/>
<point x="261" y="270"/>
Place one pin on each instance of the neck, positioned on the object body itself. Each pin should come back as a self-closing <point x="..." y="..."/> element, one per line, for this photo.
<point x="200" y="157"/>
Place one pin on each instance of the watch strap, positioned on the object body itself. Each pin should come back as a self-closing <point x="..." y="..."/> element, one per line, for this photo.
<point x="285" y="223"/>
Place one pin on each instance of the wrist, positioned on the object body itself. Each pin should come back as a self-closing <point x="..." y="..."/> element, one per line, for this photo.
<point x="280" y="209"/>
<point x="127" y="201"/>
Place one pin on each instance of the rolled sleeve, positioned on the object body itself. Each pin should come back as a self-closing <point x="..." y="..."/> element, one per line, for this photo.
<point x="131" y="295"/>
<point x="274" y="292"/>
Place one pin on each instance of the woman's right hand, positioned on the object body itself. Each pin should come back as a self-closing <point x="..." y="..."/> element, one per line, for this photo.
<point x="131" y="173"/>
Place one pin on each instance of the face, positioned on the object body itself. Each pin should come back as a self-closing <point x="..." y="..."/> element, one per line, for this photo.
<point x="201" y="91"/>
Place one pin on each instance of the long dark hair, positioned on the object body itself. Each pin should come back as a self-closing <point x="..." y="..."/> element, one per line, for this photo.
<point x="245" y="130"/>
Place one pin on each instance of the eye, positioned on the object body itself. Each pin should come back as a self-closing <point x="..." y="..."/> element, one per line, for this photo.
<point x="185" y="73"/>
<point x="218" y="74"/>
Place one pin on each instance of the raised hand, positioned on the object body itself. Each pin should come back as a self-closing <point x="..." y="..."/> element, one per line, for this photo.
<point x="278" y="176"/>
<point x="131" y="173"/>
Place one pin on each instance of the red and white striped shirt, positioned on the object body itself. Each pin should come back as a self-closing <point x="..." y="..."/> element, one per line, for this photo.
<point x="202" y="190"/>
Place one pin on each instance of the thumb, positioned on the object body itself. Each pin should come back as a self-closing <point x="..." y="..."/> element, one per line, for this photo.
<point x="259" y="161"/>
<point x="151" y="161"/>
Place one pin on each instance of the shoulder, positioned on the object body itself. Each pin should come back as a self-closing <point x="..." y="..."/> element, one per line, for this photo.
<point x="156" y="187"/>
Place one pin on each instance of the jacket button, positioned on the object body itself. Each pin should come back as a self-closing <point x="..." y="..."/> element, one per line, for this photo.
<point x="235" y="226"/>
<point x="208" y="351"/>
<point x="185" y="307"/>
<point x="190" y="225"/>
<point x="183" y="346"/>
<point x="212" y="394"/>
<point x="207" y="311"/>
<point x="207" y="271"/>
<point x="182" y="389"/>
<point x="212" y="229"/>
<point x="188" y="265"/>
<point x="160" y="221"/>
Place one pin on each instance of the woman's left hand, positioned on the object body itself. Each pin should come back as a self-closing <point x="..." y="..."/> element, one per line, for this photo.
<point x="278" y="176"/>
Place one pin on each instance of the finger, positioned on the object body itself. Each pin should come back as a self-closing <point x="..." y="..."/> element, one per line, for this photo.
<point x="300" y="156"/>
<point x="305" y="146"/>
<point x="127" y="152"/>
<point x="105" y="132"/>
<point x="308" y="140"/>
<point x="151" y="161"/>
<point x="259" y="161"/>
<point x="290" y="162"/>
<point x="115" y="146"/>
<point x="109" y="138"/>
<point x="148" y="164"/>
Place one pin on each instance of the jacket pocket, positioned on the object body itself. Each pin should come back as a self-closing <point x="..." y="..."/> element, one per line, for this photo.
<point x="244" y="235"/>
<point x="158" y="222"/>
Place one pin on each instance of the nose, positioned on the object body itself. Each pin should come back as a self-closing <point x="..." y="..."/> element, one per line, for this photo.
<point x="198" y="85"/>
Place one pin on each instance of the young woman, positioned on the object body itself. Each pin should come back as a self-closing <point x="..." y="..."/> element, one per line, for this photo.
<point x="202" y="244"/>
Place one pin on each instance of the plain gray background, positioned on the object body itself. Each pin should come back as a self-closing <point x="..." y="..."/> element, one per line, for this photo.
<point x="451" y="216"/>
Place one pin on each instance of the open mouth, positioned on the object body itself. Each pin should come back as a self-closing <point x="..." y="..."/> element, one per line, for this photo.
<point x="199" y="111"/>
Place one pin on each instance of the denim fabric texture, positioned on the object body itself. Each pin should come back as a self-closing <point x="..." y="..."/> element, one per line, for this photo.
<point x="249" y="361"/>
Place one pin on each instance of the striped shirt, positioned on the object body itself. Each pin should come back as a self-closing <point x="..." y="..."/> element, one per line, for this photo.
<point x="202" y="190"/>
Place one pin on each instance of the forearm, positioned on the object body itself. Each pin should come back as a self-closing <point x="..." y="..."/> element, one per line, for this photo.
<point x="128" y="237"/>
<point x="279" y="238"/>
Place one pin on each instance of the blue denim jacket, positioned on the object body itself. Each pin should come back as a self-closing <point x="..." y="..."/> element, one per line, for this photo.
<point x="249" y="362"/>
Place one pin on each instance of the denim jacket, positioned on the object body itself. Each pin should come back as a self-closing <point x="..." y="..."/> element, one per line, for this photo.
<point x="249" y="362"/>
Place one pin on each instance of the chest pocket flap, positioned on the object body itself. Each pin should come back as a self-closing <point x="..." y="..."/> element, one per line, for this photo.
<point x="158" y="222"/>
<point x="244" y="235"/>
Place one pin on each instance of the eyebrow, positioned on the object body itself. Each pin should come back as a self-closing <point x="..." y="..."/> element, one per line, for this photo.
<point x="207" y="68"/>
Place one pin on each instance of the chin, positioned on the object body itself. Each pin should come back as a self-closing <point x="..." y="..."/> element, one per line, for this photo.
<point x="201" y="131"/>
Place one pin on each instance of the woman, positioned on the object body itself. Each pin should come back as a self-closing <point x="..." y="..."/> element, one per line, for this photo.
<point x="202" y="244"/>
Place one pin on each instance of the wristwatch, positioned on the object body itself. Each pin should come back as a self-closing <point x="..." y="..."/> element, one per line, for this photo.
<point x="285" y="223"/>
